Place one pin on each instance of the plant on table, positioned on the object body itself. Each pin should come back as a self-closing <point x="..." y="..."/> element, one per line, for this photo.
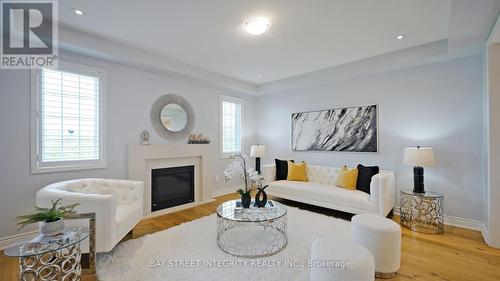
<point x="51" y="217"/>
<point x="251" y="178"/>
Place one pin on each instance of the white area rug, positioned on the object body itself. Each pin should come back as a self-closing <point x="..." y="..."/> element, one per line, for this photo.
<point x="189" y="252"/>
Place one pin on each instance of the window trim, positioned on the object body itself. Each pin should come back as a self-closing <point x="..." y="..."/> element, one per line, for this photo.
<point x="242" y="103"/>
<point x="38" y="166"/>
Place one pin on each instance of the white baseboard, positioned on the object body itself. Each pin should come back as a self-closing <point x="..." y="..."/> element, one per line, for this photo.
<point x="459" y="222"/>
<point x="9" y="240"/>
<point x="223" y="191"/>
<point x="485" y="233"/>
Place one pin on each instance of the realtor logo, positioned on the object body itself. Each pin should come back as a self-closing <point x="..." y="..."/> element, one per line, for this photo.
<point x="29" y="34"/>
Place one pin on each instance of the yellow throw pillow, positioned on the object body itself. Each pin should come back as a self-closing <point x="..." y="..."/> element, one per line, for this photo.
<point x="347" y="178"/>
<point x="296" y="171"/>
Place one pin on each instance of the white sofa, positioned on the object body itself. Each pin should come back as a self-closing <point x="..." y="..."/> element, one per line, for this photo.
<point x="320" y="190"/>
<point x="118" y="205"/>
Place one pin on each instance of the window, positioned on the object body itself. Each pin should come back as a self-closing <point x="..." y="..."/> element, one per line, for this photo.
<point x="67" y="123"/>
<point x="231" y="112"/>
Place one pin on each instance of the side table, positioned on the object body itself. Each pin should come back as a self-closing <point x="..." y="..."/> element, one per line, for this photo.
<point x="422" y="212"/>
<point x="50" y="257"/>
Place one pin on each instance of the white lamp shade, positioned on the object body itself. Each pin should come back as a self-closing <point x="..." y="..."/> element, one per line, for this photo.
<point x="257" y="151"/>
<point x="419" y="157"/>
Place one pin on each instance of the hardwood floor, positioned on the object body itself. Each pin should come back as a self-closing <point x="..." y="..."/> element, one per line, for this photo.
<point x="458" y="254"/>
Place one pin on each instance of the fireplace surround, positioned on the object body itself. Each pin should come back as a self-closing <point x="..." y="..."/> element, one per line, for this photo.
<point x="144" y="159"/>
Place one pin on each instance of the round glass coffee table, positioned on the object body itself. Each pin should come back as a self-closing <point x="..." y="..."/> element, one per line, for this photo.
<point x="50" y="257"/>
<point x="252" y="232"/>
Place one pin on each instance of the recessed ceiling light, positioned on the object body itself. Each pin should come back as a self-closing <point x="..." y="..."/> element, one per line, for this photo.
<point x="400" y="36"/>
<point x="77" y="11"/>
<point x="259" y="76"/>
<point x="256" y="26"/>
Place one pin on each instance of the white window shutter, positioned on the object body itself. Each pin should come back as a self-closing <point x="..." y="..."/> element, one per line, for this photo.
<point x="69" y="117"/>
<point x="231" y="122"/>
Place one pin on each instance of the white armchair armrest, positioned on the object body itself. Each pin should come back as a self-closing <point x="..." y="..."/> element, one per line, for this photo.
<point x="269" y="173"/>
<point x="382" y="190"/>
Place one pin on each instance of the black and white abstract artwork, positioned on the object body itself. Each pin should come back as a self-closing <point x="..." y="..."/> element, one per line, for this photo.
<point x="351" y="129"/>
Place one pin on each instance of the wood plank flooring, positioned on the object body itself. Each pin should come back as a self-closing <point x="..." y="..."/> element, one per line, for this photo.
<point x="458" y="254"/>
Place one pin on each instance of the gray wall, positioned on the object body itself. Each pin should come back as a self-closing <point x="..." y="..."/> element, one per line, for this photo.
<point x="437" y="105"/>
<point x="130" y="94"/>
<point x="492" y="141"/>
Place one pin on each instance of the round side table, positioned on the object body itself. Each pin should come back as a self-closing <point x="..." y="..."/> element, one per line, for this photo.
<point x="50" y="257"/>
<point x="422" y="212"/>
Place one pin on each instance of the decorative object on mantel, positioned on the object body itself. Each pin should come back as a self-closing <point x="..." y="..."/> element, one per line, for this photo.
<point x="52" y="218"/>
<point x="198" y="139"/>
<point x="257" y="151"/>
<point x="251" y="178"/>
<point x="172" y="117"/>
<point x="419" y="157"/>
<point x="352" y="129"/>
<point x="261" y="202"/>
<point x="145" y="137"/>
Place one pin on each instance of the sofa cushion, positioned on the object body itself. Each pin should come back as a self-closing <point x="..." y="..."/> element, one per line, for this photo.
<point x="322" y="174"/>
<point x="323" y="193"/>
<point x="347" y="178"/>
<point x="297" y="171"/>
<point x="281" y="169"/>
<point x="365" y="175"/>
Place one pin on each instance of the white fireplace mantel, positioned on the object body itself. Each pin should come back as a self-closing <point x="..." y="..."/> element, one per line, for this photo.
<point x="143" y="158"/>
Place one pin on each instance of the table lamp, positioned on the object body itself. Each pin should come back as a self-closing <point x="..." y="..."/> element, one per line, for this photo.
<point x="257" y="151"/>
<point x="419" y="157"/>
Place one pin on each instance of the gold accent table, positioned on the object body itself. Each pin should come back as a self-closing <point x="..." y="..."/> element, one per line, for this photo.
<point x="422" y="212"/>
<point x="88" y="260"/>
<point x="51" y="258"/>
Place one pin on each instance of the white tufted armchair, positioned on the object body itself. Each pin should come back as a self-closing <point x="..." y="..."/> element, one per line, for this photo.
<point x="118" y="205"/>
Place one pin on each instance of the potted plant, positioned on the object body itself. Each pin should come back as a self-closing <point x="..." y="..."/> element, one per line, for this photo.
<point x="51" y="218"/>
<point x="251" y="178"/>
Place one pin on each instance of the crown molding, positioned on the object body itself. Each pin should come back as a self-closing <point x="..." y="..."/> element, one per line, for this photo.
<point x="82" y="43"/>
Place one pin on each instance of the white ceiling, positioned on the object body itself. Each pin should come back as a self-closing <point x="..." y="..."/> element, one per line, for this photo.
<point x="305" y="35"/>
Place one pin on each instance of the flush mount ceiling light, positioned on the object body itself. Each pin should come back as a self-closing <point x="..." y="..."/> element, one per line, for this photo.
<point x="77" y="11"/>
<point x="256" y="26"/>
<point x="400" y="36"/>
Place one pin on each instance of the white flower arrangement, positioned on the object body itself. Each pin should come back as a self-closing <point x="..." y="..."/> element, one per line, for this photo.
<point x="251" y="178"/>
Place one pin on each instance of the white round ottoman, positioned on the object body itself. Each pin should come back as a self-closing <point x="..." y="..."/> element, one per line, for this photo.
<point x="333" y="258"/>
<point x="382" y="237"/>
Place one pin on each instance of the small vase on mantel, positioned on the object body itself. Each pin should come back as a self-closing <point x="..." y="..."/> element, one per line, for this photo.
<point x="246" y="200"/>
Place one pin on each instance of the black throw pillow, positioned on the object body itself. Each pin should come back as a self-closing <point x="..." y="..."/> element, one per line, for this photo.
<point x="281" y="169"/>
<point x="365" y="175"/>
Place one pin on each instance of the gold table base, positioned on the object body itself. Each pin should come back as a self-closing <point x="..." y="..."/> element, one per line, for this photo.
<point x="61" y="265"/>
<point x="422" y="212"/>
